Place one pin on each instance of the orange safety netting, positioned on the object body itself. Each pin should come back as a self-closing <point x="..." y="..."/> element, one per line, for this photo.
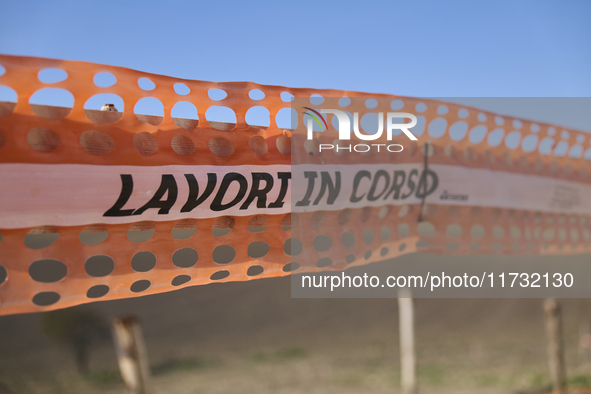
<point x="47" y="267"/>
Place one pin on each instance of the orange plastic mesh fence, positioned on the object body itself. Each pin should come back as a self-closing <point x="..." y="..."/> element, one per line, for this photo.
<point x="46" y="266"/>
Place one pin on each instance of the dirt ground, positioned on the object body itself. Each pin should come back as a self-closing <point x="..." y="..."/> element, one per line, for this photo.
<point x="252" y="337"/>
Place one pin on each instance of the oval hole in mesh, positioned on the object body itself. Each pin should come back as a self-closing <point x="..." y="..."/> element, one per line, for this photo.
<point x="184" y="114"/>
<point x="288" y="221"/>
<point x="149" y="110"/>
<point x="283" y="145"/>
<point x="94" y="105"/>
<point x="437" y="127"/>
<point x="99" y="265"/>
<point x="426" y="229"/>
<point x="316" y="99"/>
<point x="97" y="291"/>
<point x="180" y="280"/>
<point x="185" y="257"/>
<point x="221" y="147"/>
<point x="184" y="229"/>
<point x="404" y="210"/>
<point x="322" y="243"/>
<point x="348" y="240"/>
<point x="344" y="102"/>
<point x="324" y="262"/>
<point x="223" y="254"/>
<point x="220" y="275"/>
<point x="477" y="231"/>
<point x="46" y="298"/>
<point x="458" y="130"/>
<point x="94" y="234"/>
<point x="140" y="232"/>
<point x="403" y="230"/>
<point x="181" y="89"/>
<point x="287" y="119"/>
<point x="371" y="103"/>
<point x="317" y="219"/>
<point x="104" y="79"/>
<point x="52" y="103"/>
<point x="43" y="139"/>
<point x="254" y="270"/>
<point x="258" y="249"/>
<point x="41" y="237"/>
<point x="146" y="84"/>
<point x="257" y="223"/>
<point x="477" y="134"/>
<point x="96" y="142"/>
<point x="344" y="216"/>
<point x="217" y="94"/>
<point x="182" y="145"/>
<point x="221" y="118"/>
<point x="258" y="145"/>
<point x="145" y="143"/>
<point x="291" y="266"/>
<point x="548" y="234"/>
<point x="143" y="261"/>
<point x="140" y="285"/>
<point x="498" y="232"/>
<point x="258" y="117"/>
<point x="515" y="232"/>
<point x="454" y="230"/>
<point x="222" y="226"/>
<point x="495" y="137"/>
<point x="286" y="97"/>
<point x="256" y="94"/>
<point x="397" y="104"/>
<point x="368" y="236"/>
<point x="47" y="270"/>
<point x="513" y="139"/>
<point x="292" y="247"/>
<point x="529" y="143"/>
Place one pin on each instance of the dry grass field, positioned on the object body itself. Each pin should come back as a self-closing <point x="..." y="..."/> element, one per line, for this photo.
<point x="252" y="337"/>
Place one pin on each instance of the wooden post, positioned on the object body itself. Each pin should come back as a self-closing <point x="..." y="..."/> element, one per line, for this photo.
<point x="584" y="341"/>
<point x="555" y="349"/>
<point x="131" y="354"/>
<point x="407" y="342"/>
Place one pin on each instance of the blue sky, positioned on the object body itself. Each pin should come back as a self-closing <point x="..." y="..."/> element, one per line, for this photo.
<point x="416" y="48"/>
